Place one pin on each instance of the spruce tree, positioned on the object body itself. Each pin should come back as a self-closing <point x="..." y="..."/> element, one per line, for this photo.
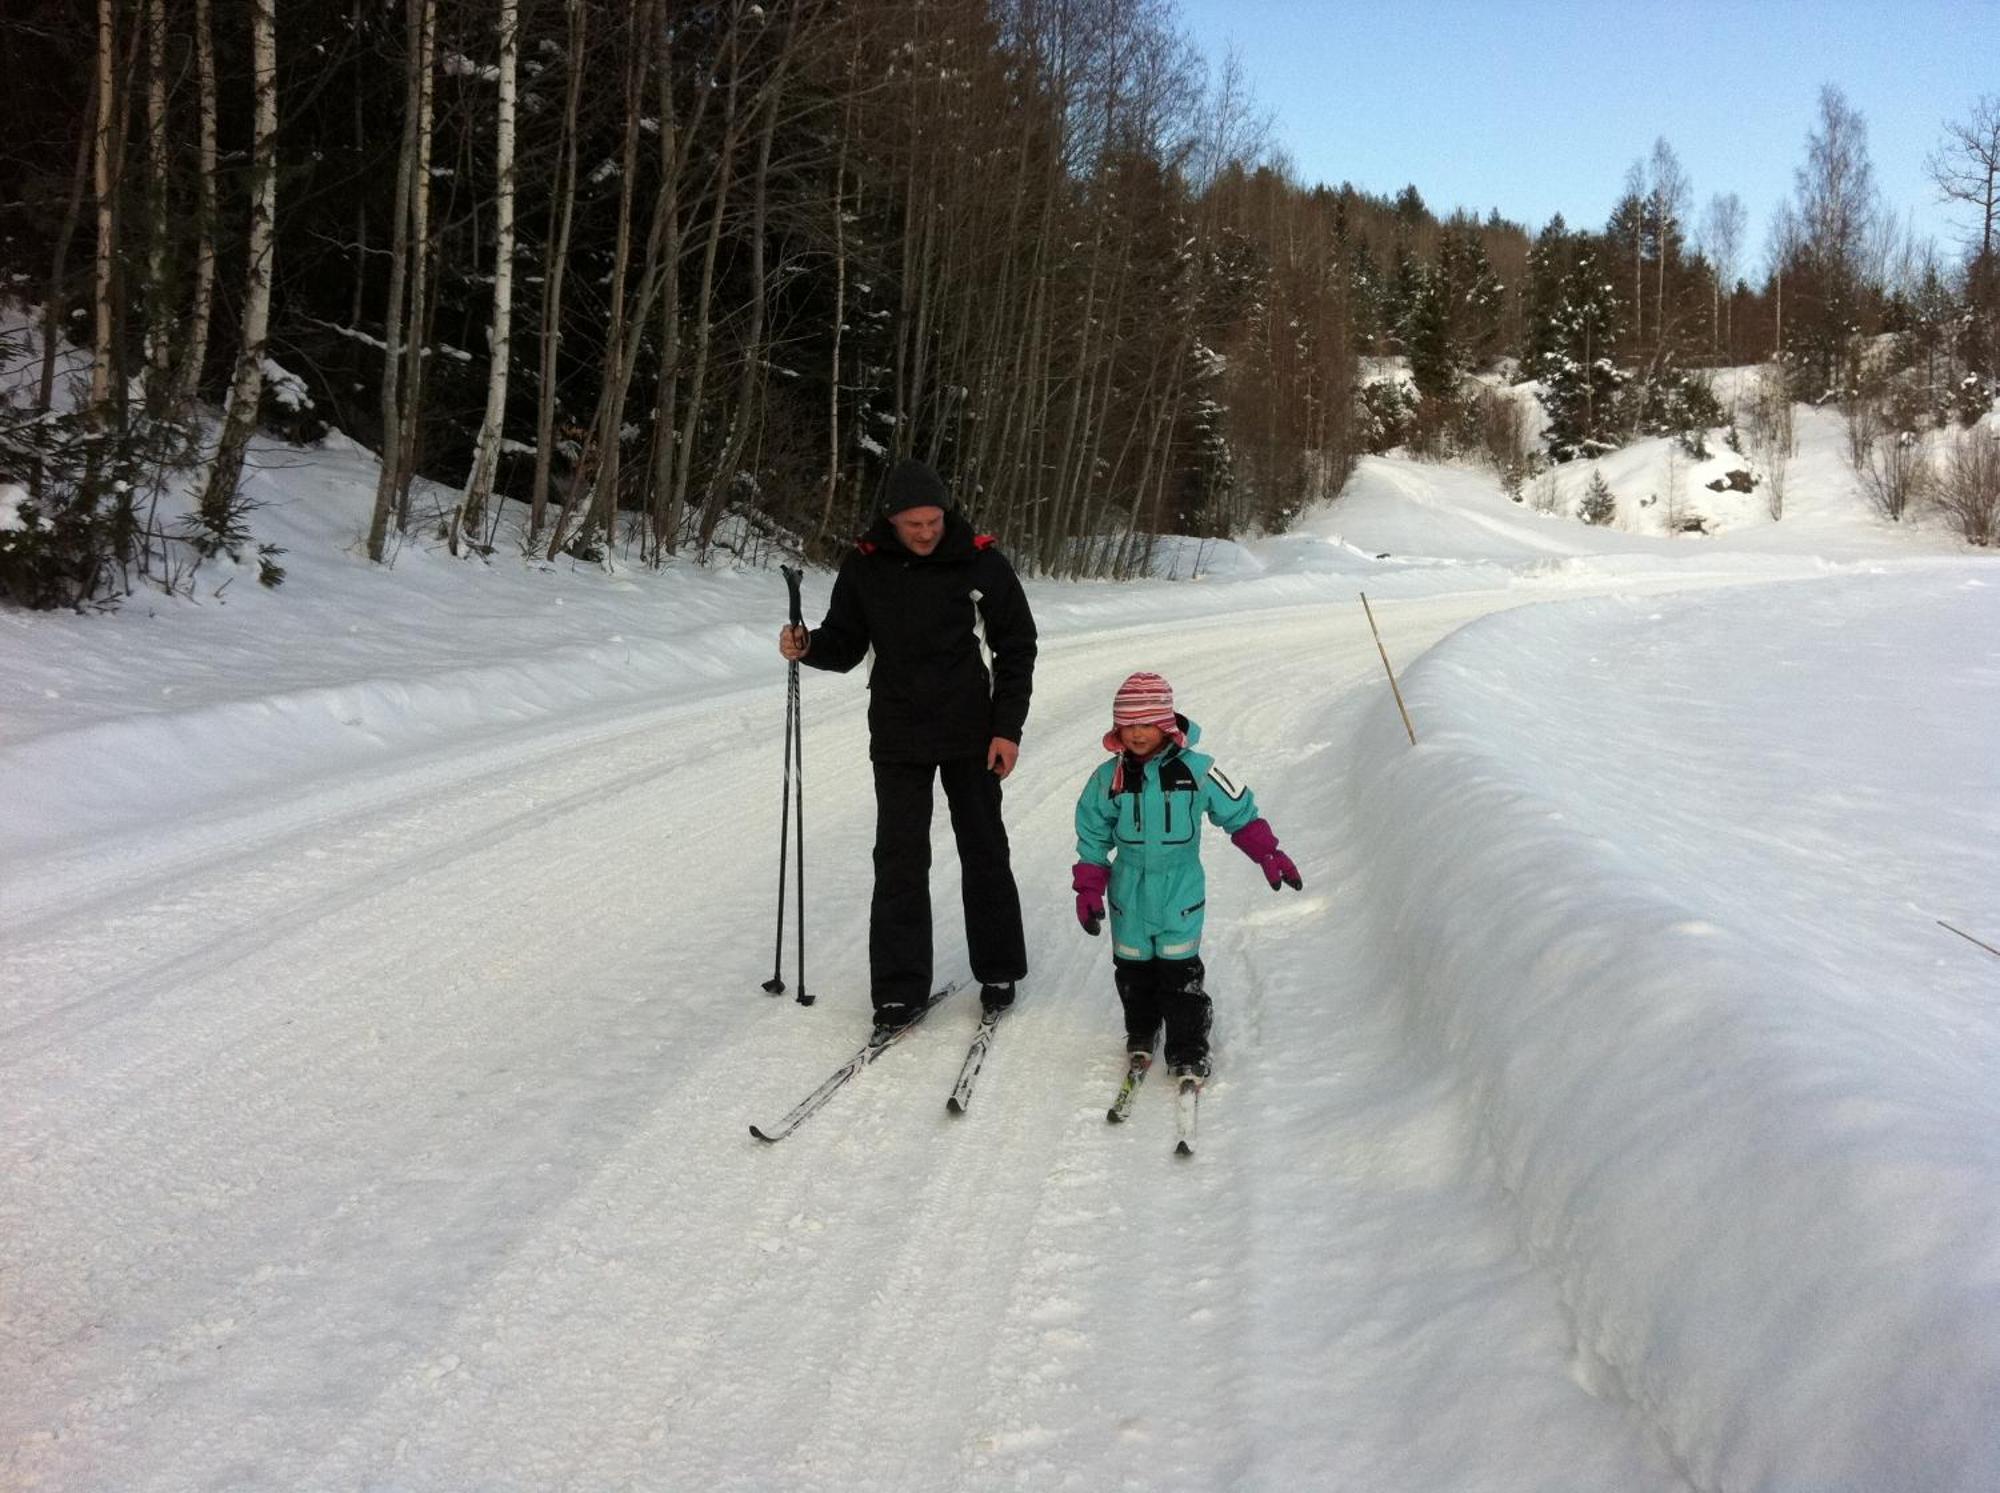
<point x="1580" y="379"/>
<point x="1470" y="294"/>
<point x="1599" y="505"/>
<point x="1548" y="270"/>
<point x="1434" y="359"/>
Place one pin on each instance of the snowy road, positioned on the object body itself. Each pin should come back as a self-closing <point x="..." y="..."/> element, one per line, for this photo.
<point x="391" y="1133"/>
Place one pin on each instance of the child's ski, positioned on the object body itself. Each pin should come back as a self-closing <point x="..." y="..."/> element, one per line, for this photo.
<point x="1135" y="1074"/>
<point x="1187" y="1100"/>
<point x="871" y="1050"/>
<point x="975" y="1059"/>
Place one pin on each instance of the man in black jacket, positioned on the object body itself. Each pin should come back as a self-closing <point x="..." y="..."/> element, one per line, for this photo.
<point x="917" y="589"/>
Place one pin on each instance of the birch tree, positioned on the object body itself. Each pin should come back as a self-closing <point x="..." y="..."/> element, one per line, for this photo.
<point x="219" y="500"/>
<point x="1666" y="196"/>
<point x="486" y="450"/>
<point x="1966" y="170"/>
<point x="556" y="264"/>
<point x="750" y="376"/>
<point x="1838" y="211"/>
<point x="1722" y="243"/>
<point x="187" y="384"/>
<point x="401" y="325"/>
<point x="103" y="175"/>
<point x="159" y="300"/>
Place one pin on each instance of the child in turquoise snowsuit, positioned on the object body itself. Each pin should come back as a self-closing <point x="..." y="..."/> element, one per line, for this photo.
<point x="1138" y="842"/>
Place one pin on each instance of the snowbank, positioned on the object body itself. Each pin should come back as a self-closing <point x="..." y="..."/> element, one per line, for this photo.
<point x="1741" y="1091"/>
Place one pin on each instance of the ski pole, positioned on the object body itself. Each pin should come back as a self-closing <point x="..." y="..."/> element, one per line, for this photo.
<point x="792" y="790"/>
<point x="793" y="577"/>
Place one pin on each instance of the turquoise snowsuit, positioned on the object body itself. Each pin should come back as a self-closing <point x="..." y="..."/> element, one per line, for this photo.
<point x="1149" y="832"/>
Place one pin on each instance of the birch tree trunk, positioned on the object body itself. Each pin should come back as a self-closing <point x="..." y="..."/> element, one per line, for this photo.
<point x="486" y="450"/>
<point x="666" y="401"/>
<point x="557" y="271"/>
<point x="159" y="302"/>
<point x="57" y="293"/>
<point x="704" y="310"/>
<point x="750" y="380"/>
<point x="839" y="326"/>
<point x="107" y="221"/>
<point x="187" y="385"/>
<point x="247" y="388"/>
<point x="416" y="344"/>
<point x="609" y="419"/>
<point x="399" y="270"/>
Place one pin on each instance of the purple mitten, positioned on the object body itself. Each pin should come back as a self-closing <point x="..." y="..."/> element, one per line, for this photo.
<point x="1257" y="841"/>
<point x="1088" y="880"/>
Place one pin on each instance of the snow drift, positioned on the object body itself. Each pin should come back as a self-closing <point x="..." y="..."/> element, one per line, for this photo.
<point x="1754" y="1148"/>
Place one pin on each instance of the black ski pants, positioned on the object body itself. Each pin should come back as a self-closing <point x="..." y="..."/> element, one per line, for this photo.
<point x="899" y="918"/>
<point x="1167" y="992"/>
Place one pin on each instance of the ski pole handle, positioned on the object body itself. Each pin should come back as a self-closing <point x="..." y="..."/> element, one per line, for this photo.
<point x="793" y="575"/>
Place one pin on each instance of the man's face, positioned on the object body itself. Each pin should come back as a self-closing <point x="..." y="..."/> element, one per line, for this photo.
<point x="918" y="529"/>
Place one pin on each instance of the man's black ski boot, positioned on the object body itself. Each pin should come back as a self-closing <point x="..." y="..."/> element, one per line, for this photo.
<point x="996" y="998"/>
<point x="890" y="1018"/>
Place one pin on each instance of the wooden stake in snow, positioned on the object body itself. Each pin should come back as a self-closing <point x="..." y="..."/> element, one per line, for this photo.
<point x="1387" y="670"/>
<point x="1969" y="938"/>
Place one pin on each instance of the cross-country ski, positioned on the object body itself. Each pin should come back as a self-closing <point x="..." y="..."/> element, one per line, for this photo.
<point x="877" y="1044"/>
<point x="1187" y="1103"/>
<point x="1137" y="1066"/>
<point x="975" y="1060"/>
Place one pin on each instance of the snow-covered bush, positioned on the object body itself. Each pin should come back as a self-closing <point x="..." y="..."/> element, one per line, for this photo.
<point x="1675" y="402"/>
<point x="1972" y="399"/>
<point x="1967" y="488"/>
<point x="1894" y="470"/>
<point x="77" y="502"/>
<point x="1503" y="436"/>
<point x="286" y="409"/>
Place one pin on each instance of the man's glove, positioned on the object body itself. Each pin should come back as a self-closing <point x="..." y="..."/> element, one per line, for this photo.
<point x="1089" y="880"/>
<point x="1257" y="841"/>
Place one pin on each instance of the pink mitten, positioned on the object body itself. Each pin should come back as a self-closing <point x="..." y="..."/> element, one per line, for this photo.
<point x="1089" y="880"/>
<point x="1257" y="841"/>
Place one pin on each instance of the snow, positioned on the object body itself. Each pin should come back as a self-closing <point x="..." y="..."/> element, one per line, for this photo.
<point x="380" y="1026"/>
<point x="1675" y="934"/>
<point x="285" y="387"/>
<point x="13" y="497"/>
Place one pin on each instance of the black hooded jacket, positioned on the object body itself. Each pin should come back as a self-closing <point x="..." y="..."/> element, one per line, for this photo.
<point x="930" y="697"/>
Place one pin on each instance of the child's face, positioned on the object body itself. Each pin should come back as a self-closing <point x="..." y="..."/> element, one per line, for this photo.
<point x="1141" y="741"/>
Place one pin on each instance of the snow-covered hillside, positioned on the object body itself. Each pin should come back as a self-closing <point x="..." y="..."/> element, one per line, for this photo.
<point x="380" y="1024"/>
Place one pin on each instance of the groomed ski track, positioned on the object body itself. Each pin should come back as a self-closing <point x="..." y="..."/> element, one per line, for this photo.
<point x="389" y="1132"/>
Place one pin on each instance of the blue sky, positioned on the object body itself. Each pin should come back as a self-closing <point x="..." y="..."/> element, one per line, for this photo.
<point x="1540" y="106"/>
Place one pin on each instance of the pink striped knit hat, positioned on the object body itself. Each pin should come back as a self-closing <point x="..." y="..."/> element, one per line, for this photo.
<point x="1143" y="700"/>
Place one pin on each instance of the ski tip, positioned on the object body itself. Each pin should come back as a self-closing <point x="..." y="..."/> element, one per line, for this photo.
<point x="1112" y="1117"/>
<point x="954" y="1105"/>
<point x="768" y="1139"/>
<point x="1183" y="1149"/>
